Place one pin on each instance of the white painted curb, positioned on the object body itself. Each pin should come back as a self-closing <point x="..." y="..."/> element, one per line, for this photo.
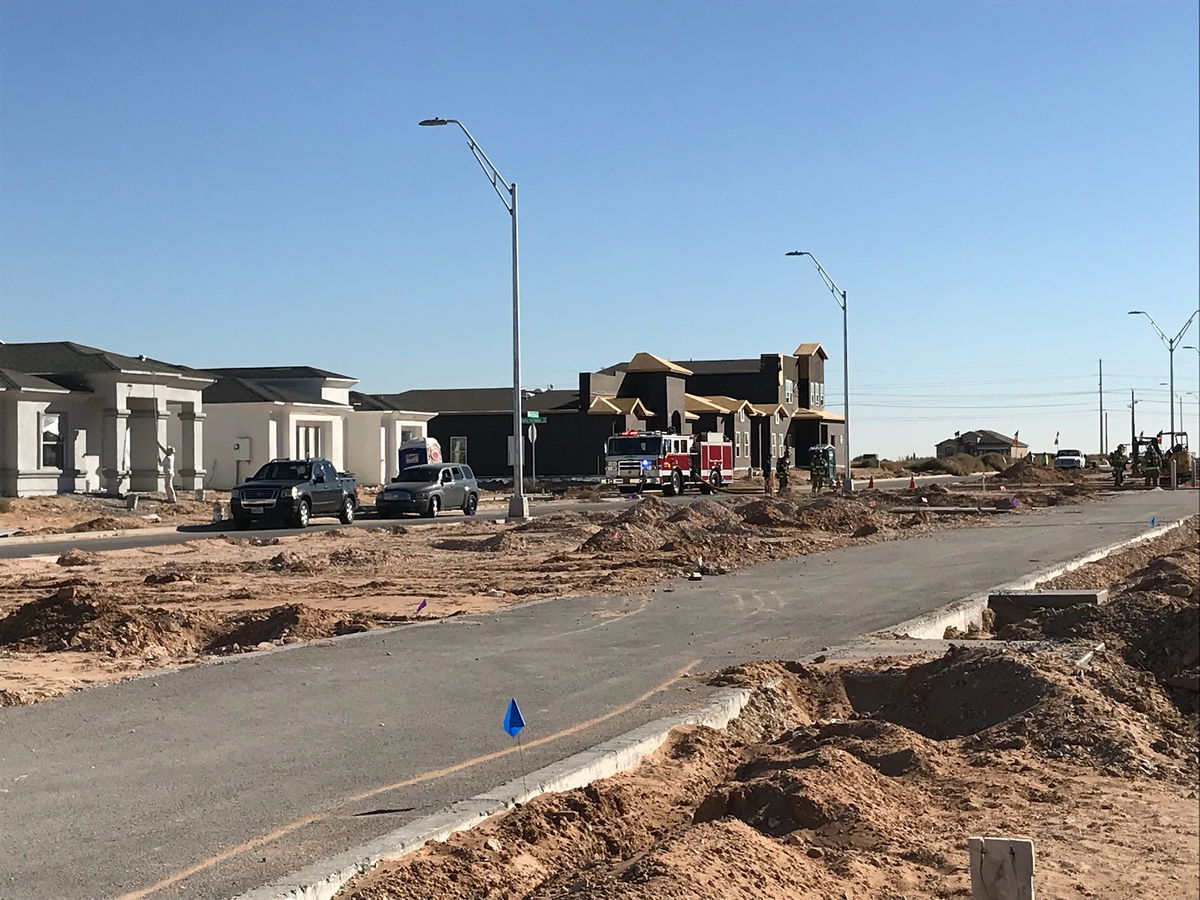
<point x="323" y="880"/>
<point x="964" y="613"/>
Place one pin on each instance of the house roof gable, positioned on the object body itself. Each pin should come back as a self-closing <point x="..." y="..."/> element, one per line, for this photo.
<point x="648" y="362"/>
<point x="811" y="349"/>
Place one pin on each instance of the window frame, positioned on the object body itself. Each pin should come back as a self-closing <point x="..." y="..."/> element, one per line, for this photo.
<point x="59" y="444"/>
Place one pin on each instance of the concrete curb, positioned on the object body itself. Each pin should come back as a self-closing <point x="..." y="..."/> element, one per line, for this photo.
<point x="323" y="880"/>
<point x="964" y="613"/>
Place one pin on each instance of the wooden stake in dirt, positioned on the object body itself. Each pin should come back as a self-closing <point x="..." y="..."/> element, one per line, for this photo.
<point x="1001" y="868"/>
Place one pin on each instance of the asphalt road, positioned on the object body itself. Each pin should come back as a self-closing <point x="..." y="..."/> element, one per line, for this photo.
<point x="18" y="547"/>
<point x="216" y="779"/>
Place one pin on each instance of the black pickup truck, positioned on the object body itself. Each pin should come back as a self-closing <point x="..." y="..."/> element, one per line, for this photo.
<point x="291" y="491"/>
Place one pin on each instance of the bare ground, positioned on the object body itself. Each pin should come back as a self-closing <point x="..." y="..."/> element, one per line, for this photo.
<point x="75" y="513"/>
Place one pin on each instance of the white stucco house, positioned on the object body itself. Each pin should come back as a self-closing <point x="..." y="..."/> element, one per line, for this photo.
<point x="261" y="413"/>
<point x="77" y="418"/>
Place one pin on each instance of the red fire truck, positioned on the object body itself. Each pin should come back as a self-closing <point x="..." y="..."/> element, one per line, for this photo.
<point x="652" y="459"/>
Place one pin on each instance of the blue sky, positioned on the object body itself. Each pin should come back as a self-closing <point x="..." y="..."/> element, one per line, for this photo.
<point x="218" y="182"/>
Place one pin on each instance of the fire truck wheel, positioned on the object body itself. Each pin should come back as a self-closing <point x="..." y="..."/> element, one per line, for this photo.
<point x="675" y="485"/>
<point x="715" y="479"/>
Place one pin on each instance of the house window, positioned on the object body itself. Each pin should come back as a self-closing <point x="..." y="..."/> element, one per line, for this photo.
<point x="308" y="441"/>
<point x="458" y="450"/>
<point x="789" y="390"/>
<point x="51" y="442"/>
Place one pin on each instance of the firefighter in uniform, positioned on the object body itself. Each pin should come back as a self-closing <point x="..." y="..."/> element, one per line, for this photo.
<point x="782" y="471"/>
<point x="1118" y="461"/>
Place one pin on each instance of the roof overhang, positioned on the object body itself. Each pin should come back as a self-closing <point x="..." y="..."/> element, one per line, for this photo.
<point x="696" y="404"/>
<point x="823" y="414"/>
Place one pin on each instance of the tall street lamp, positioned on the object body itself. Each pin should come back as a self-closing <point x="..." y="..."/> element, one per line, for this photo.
<point x="1171" y="344"/>
<point x="518" y="507"/>
<point x="840" y="296"/>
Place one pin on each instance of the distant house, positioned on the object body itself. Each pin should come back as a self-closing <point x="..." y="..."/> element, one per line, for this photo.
<point x="260" y="413"/>
<point x="980" y="442"/>
<point x="77" y="418"/>
<point x="764" y="405"/>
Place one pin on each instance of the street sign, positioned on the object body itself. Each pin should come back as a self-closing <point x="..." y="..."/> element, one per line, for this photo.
<point x="532" y="418"/>
<point x="532" y="432"/>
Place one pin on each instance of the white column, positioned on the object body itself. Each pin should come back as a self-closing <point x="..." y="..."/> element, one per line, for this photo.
<point x="191" y="473"/>
<point x="114" y="452"/>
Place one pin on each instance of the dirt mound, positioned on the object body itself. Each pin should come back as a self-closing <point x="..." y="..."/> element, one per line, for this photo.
<point x="964" y="692"/>
<point x="74" y="618"/>
<point x="806" y="781"/>
<point x="770" y="513"/>
<point x="358" y="556"/>
<point x="106" y="523"/>
<point x="77" y="557"/>
<point x="504" y="542"/>
<point x="647" y="512"/>
<point x="624" y="537"/>
<point x="709" y="514"/>
<point x="558" y="521"/>
<point x="290" y="561"/>
<point x="293" y="621"/>
<point x="1028" y="472"/>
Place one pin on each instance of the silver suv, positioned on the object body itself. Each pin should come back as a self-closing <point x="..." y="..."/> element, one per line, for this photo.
<point x="427" y="490"/>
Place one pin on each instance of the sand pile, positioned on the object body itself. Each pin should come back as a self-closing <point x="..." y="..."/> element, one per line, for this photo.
<point x="77" y="557"/>
<point x="359" y="557"/>
<point x="107" y="523"/>
<point x="289" y="561"/>
<point x="1028" y="472"/>
<point x="76" y="618"/>
<point x="293" y="622"/>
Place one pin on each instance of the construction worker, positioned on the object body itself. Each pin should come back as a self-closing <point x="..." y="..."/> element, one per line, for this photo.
<point x="768" y="477"/>
<point x="168" y="470"/>
<point x="1118" y="461"/>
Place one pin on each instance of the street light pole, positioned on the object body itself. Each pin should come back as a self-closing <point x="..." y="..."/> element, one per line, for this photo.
<point x="840" y="296"/>
<point x="518" y="507"/>
<point x="1171" y="343"/>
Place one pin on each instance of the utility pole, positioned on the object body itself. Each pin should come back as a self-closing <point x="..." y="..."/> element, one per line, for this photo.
<point x="1133" y="448"/>
<point x="1102" y="447"/>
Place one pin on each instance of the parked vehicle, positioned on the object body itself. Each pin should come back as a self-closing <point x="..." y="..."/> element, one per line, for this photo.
<point x="427" y="490"/>
<point x="651" y="459"/>
<point x="292" y="491"/>
<point x="1070" y="459"/>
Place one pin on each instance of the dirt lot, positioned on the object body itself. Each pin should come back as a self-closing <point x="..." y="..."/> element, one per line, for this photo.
<point x="865" y="781"/>
<point x="74" y="513"/>
<point x="91" y="617"/>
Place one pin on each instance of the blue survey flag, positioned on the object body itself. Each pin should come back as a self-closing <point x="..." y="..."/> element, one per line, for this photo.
<point x="513" y="720"/>
<point x="1153" y="521"/>
<point x="422" y="605"/>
